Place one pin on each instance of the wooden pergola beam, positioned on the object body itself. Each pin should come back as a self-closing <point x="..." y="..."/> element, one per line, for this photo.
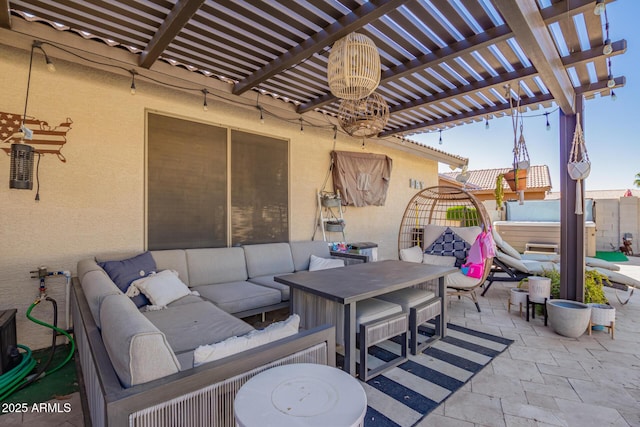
<point x="5" y="14"/>
<point x="534" y="39"/>
<point x="572" y="60"/>
<point x="169" y="29"/>
<point x="355" y="20"/>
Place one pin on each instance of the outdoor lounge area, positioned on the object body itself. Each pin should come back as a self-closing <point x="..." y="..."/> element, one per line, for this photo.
<point x="202" y="193"/>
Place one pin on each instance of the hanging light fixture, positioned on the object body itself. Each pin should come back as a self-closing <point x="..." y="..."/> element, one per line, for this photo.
<point x="353" y="68"/>
<point x="21" y="171"/>
<point x="363" y="117"/>
<point x="600" y="7"/>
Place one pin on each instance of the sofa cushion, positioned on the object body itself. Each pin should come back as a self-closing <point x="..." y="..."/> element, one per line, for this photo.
<point x="269" y="259"/>
<point x="412" y="254"/>
<point x="125" y="271"/>
<point x="87" y="265"/>
<point x="269" y="282"/>
<point x="161" y="288"/>
<point x="216" y="265"/>
<point x="445" y="261"/>
<point x="408" y="297"/>
<point x="302" y="251"/>
<point x="237" y="344"/>
<point x="96" y="285"/>
<point x="317" y="263"/>
<point x="187" y="327"/>
<point x="173" y="259"/>
<point x="139" y="352"/>
<point x="458" y="280"/>
<point x="372" y="309"/>
<point x="236" y="297"/>
<point x="450" y="243"/>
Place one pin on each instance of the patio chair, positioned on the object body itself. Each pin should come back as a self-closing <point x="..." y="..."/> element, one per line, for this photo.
<point x="432" y="211"/>
<point x="378" y="321"/>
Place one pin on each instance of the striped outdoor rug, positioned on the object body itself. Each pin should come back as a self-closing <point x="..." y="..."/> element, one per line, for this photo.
<point x="404" y="395"/>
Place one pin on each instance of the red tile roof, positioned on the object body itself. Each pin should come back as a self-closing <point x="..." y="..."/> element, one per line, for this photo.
<point x="538" y="177"/>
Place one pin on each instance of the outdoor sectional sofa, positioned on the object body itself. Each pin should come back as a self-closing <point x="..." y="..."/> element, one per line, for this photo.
<point x="138" y="366"/>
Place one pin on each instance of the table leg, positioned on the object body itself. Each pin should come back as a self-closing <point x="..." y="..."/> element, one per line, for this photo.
<point x="442" y="323"/>
<point x="350" y="339"/>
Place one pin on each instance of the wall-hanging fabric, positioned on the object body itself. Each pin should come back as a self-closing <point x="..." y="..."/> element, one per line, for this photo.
<point x="361" y="178"/>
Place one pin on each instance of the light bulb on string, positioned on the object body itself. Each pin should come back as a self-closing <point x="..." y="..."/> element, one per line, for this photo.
<point x="301" y="125"/>
<point x="548" y="126"/>
<point x="600" y="7"/>
<point x="50" y="65"/>
<point x="611" y="83"/>
<point x="133" y="81"/>
<point x="205" y="106"/>
<point x="607" y="49"/>
<point x="440" y="139"/>
<point x="613" y="96"/>
<point x="261" y="115"/>
<point x="486" y="123"/>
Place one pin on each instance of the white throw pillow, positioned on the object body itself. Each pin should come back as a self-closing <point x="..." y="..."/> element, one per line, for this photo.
<point x="161" y="288"/>
<point x="233" y="345"/>
<point x="318" y="263"/>
<point x="413" y="254"/>
<point x="444" y="261"/>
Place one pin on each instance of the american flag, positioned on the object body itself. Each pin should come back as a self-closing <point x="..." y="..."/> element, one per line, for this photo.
<point x="45" y="139"/>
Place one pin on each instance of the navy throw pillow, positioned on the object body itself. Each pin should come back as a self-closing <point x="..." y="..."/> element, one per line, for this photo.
<point x="450" y="244"/>
<point x="126" y="271"/>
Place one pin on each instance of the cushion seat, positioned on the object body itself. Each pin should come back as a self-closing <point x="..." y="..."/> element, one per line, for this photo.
<point x="235" y="297"/>
<point x="408" y="297"/>
<point x="373" y="309"/>
<point x="186" y="328"/>
<point x="269" y="282"/>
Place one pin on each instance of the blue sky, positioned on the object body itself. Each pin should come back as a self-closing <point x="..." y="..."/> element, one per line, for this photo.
<point x="611" y="130"/>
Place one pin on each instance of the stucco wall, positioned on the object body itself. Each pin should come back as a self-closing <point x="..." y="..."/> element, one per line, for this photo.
<point x="95" y="202"/>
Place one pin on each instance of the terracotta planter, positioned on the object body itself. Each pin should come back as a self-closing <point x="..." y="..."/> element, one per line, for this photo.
<point x="510" y="177"/>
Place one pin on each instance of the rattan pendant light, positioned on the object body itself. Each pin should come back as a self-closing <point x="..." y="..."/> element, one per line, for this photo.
<point x="353" y="70"/>
<point x="364" y="117"/>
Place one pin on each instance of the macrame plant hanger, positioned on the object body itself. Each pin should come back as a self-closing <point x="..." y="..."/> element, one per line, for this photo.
<point x="520" y="152"/>
<point x="579" y="165"/>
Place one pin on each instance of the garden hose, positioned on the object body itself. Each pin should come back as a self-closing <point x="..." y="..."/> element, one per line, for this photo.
<point x="17" y="378"/>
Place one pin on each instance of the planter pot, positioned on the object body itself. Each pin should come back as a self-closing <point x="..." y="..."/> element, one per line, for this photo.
<point x="521" y="183"/>
<point x="518" y="297"/>
<point x="335" y="226"/>
<point x="539" y="288"/>
<point x="602" y="314"/>
<point x="568" y="318"/>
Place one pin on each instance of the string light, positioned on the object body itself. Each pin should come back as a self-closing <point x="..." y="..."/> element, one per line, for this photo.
<point x="261" y="114"/>
<point x="613" y="96"/>
<point x="133" y="81"/>
<point x="440" y="140"/>
<point x="50" y="65"/>
<point x="548" y="124"/>
<point x="205" y="107"/>
<point x="611" y="83"/>
<point x="335" y="133"/>
<point x="607" y="49"/>
<point x="486" y="123"/>
<point x="600" y="7"/>
<point x="301" y="125"/>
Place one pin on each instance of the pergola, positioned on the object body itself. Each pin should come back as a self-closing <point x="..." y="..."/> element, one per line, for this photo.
<point x="443" y="63"/>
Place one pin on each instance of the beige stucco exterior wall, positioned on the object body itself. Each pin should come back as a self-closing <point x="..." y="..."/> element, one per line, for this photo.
<point x="95" y="202"/>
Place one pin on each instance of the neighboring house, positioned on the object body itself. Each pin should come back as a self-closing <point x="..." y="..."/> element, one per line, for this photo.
<point x="482" y="183"/>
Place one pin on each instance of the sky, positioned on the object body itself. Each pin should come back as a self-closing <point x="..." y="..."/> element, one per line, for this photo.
<point x="611" y="128"/>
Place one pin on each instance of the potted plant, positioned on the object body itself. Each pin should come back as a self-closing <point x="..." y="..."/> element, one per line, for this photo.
<point x="603" y="315"/>
<point x="499" y="191"/>
<point x="517" y="179"/>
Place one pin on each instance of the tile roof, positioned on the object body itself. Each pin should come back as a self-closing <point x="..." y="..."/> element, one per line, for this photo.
<point x="599" y="194"/>
<point x="485" y="179"/>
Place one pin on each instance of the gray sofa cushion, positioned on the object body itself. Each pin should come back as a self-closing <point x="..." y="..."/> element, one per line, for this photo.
<point x="97" y="285"/>
<point x="139" y="352"/>
<point x="302" y="251"/>
<point x="87" y="265"/>
<point x="216" y="265"/>
<point x="269" y="282"/>
<point x="187" y="327"/>
<point x="268" y="259"/>
<point x="173" y="259"/>
<point x="235" y="297"/>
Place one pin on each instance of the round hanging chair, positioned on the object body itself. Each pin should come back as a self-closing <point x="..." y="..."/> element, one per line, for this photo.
<point x="445" y="206"/>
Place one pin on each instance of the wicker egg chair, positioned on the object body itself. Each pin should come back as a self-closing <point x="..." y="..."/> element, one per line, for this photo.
<point x="450" y="207"/>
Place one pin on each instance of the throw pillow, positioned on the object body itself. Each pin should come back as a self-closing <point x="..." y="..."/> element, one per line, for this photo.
<point x="127" y="270"/>
<point x="317" y="263"/>
<point x="444" y="261"/>
<point x="234" y="345"/>
<point x="161" y="288"/>
<point x="413" y="254"/>
<point x="450" y="244"/>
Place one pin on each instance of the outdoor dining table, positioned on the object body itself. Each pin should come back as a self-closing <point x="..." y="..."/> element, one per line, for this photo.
<point x="331" y="296"/>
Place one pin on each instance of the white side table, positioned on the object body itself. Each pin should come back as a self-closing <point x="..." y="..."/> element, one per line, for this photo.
<point x="301" y="394"/>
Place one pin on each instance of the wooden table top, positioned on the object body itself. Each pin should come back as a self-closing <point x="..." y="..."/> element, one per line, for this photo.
<point x="361" y="281"/>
